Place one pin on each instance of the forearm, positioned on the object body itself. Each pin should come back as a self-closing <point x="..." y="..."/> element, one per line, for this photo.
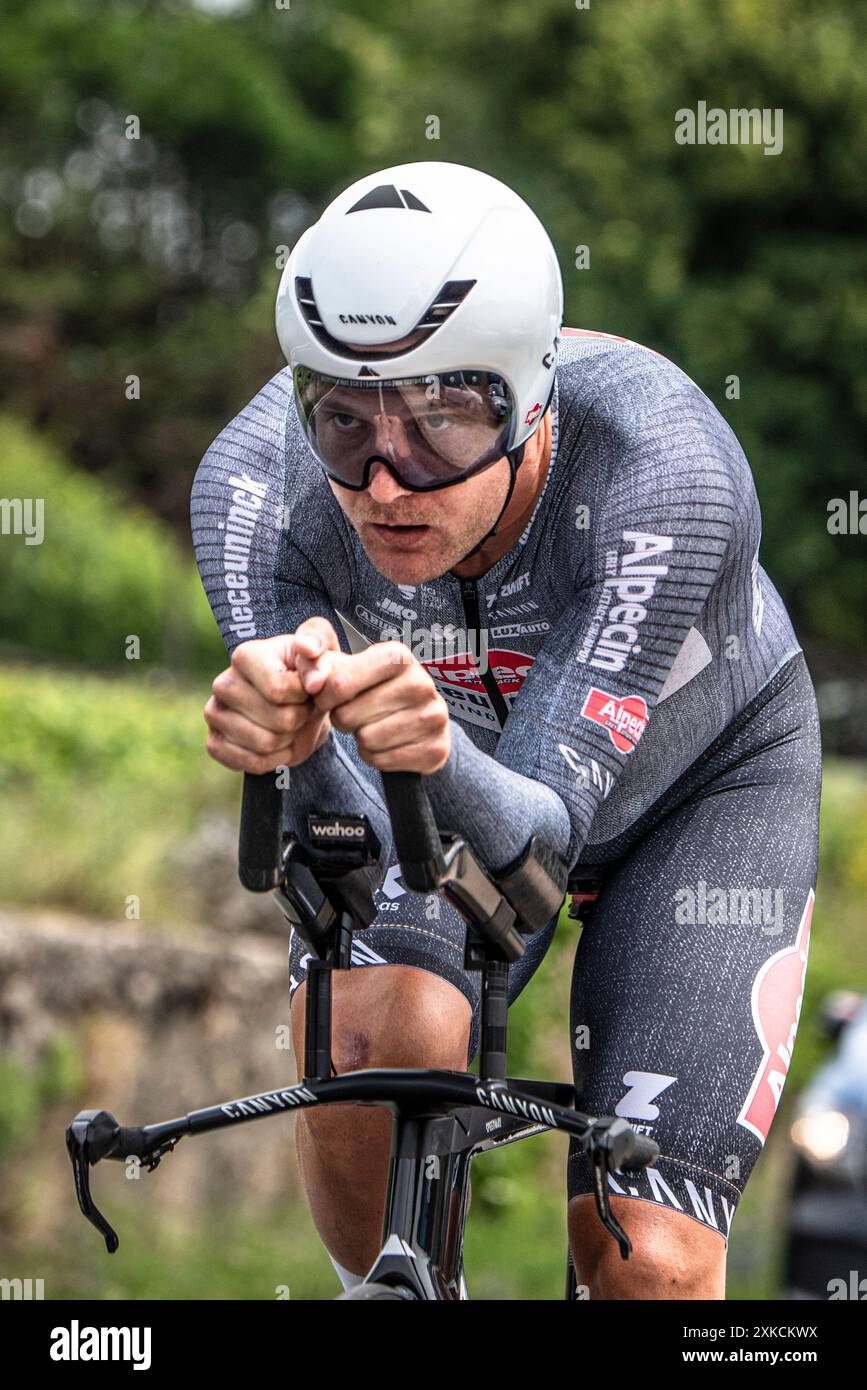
<point x="496" y="809"/>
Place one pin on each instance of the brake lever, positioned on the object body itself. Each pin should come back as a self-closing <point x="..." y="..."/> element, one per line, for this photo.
<point x="96" y="1134"/>
<point x="603" y="1206"/>
<point x="609" y="1150"/>
<point x="84" y="1137"/>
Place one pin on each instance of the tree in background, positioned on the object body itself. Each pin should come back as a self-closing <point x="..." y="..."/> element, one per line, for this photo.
<point x="156" y="257"/>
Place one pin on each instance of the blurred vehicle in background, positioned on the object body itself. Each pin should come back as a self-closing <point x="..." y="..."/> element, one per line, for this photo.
<point x="826" y="1250"/>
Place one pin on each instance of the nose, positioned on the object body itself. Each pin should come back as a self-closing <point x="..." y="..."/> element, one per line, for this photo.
<point x="391" y="442"/>
<point x="382" y="486"/>
<point x="391" y="438"/>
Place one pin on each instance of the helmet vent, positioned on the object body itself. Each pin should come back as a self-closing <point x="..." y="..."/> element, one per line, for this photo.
<point x="385" y="195"/>
<point x="452" y="294"/>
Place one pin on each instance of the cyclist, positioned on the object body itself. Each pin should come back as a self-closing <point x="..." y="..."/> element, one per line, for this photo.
<point x="456" y="539"/>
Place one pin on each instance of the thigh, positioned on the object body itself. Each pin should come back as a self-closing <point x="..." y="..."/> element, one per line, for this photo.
<point x="687" y="984"/>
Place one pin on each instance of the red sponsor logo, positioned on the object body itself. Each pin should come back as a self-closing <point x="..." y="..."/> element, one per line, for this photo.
<point x="533" y="413"/>
<point x="510" y="670"/>
<point x="625" y="720"/>
<point x="778" y="990"/>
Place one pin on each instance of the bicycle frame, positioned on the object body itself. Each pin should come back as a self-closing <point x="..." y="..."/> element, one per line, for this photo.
<point x="441" y="1119"/>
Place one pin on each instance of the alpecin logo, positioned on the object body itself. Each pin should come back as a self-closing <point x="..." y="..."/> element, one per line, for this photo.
<point x="631" y="579"/>
<point x="778" y="990"/>
<point x="623" y="719"/>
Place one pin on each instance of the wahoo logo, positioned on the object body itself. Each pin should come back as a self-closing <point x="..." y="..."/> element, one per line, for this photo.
<point x="385" y="195"/>
<point x="778" y="991"/>
<point x="331" y="830"/>
<point x="624" y="720"/>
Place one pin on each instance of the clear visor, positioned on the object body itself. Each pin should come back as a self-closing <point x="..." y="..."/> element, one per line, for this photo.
<point x="430" y="431"/>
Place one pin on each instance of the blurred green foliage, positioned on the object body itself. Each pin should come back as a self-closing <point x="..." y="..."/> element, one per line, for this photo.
<point x="28" y="1091"/>
<point x="158" y="256"/>
<point x="108" y="778"/>
<point x="104" y="576"/>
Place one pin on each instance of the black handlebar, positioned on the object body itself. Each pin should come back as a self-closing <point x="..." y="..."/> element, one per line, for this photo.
<point x="416" y="836"/>
<point x="259" y="839"/>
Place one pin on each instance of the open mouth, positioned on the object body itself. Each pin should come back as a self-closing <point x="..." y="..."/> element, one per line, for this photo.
<point x="404" y="537"/>
<point x="388" y="528"/>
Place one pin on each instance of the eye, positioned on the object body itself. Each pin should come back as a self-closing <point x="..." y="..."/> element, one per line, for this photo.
<point x="342" y="420"/>
<point x="438" y="423"/>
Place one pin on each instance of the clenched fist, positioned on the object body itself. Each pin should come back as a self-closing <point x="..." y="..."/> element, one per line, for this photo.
<point x="383" y="696"/>
<point x="259" y="716"/>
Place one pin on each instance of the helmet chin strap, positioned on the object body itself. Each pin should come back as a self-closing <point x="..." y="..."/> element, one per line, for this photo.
<point x="516" y="458"/>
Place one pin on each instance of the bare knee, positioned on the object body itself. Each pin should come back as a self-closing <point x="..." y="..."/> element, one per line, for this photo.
<point x="392" y="1016"/>
<point x="673" y="1257"/>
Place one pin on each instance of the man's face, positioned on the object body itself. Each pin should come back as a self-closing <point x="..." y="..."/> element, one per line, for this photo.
<point x="410" y="537"/>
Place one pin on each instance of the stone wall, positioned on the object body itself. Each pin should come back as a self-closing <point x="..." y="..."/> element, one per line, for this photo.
<point x="161" y="1024"/>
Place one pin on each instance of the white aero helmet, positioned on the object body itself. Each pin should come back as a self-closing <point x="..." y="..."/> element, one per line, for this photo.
<point x="421" y="316"/>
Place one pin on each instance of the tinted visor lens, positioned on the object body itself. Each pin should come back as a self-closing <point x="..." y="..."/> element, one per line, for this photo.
<point x="430" y="431"/>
